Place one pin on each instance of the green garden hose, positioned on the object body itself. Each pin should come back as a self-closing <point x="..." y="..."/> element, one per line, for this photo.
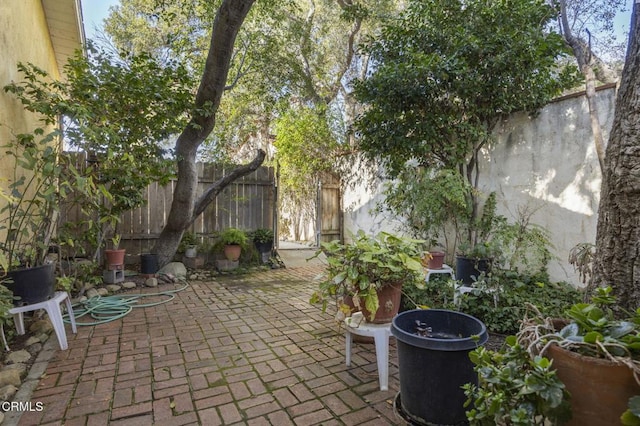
<point x="110" y="308"/>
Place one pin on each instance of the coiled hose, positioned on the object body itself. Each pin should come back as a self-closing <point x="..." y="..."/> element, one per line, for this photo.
<point x="100" y="310"/>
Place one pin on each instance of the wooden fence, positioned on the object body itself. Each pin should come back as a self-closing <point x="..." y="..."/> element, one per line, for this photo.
<point x="248" y="203"/>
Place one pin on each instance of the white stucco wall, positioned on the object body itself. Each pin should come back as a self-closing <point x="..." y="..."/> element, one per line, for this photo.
<point x="549" y="164"/>
<point x="545" y="163"/>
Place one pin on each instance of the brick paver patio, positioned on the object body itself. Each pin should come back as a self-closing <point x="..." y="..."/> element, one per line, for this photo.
<point x="235" y="350"/>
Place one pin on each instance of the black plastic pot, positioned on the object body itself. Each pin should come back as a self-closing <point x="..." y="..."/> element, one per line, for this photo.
<point x="469" y="269"/>
<point x="32" y="285"/>
<point x="433" y="367"/>
<point x="265" y="250"/>
<point x="148" y="263"/>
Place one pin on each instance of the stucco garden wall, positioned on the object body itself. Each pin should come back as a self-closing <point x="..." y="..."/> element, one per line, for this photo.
<point x="545" y="164"/>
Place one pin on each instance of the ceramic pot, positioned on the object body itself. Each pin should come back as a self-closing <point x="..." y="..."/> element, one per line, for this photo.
<point x="232" y="252"/>
<point x="599" y="388"/>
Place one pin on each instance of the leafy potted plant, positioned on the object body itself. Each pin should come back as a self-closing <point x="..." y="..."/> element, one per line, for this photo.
<point x="115" y="255"/>
<point x="189" y="245"/>
<point x="233" y="240"/>
<point x="29" y="214"/>
<point x="369" y="273"/>
<point x="263" y="240"/>
<point x="514" y="388"/>
<point x="596" y="355"/>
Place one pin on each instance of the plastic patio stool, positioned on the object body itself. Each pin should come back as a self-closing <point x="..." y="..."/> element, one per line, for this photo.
<point x="380" y="334"/>
<point x="52" y="306"/>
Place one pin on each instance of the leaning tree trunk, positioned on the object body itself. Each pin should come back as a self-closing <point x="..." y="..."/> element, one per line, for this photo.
<point x="617" y="259"/>
<point x="587" y="61"/>
<point x="229" y="19"/>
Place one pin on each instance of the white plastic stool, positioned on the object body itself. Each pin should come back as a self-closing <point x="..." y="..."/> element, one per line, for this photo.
<point x="446" y="269"/>
<point x="380" y="334"/>
<point x="52" y="306"/>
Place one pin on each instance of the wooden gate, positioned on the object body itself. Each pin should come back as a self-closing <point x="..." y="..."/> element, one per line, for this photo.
<point x="329" y="215"/>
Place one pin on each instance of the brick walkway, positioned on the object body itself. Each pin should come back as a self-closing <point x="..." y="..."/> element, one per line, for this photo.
<point x="233" y="351"/>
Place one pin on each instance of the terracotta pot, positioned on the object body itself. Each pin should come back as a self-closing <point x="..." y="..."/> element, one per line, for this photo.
<point x="115" y="259"/>
<point x="389" y="304"/>
<point x="600" y="389"/>
<point x="232" y="252"/>
<point x="437" y="260"/>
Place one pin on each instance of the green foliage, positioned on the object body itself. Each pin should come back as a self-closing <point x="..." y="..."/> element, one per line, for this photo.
<point x="594" y="331"/>
<point x="631" y="417"/>
<point x="304" y="144"/>
<point x="6" y="303"/>
<point x="120" y="130"/>
<point x="32" y="200"/>
<point x="262" y="235"/>
<point x="428" y="200"/>
<point x="501" y="299"/>
<point x="188" y="239"/>
<point x="447" y="71"/>
<point x="366" y="265"/>
<point x="515" y="389"/>
<point x="234" y="236"/>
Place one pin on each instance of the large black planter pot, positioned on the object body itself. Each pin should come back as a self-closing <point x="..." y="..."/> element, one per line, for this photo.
<point x="469" y="269"/>
<point x="32" y="285"/>
<point x="433" y="368"/>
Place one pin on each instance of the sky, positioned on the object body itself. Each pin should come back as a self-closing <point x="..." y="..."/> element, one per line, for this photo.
<point x="94" y="11"/>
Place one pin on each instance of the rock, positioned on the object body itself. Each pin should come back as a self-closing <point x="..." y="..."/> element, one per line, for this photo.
<point x="176" y="269"/>
<point x="35" y="348"/>
<point x="151" y="282"/>
<point x="10" y="377"/>
<point x="41" y="326"/>
<point x="6" y="393"/>
<point x="31" y="341"/>
<point x="103" y="292"/>
<point x="129" y="284"/>
<point x="19" y="367"/>
<point x="113" y="288"/>
<point x="91" y="293"/>
<point x="18" y="356"/>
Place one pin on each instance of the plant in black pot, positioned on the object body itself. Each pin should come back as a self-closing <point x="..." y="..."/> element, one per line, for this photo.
<point x="234" y="240"/>
<point x="29" y="212"/>
<point x="368" y="274"/>
<point x="263" y="240"/>
<point x="595" y="354"/>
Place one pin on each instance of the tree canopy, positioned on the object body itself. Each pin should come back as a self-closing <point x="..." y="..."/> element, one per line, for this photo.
<point x="446" y="72"/>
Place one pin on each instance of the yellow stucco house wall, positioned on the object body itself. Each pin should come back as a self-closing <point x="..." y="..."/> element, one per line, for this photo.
<point x="43" y="32"/>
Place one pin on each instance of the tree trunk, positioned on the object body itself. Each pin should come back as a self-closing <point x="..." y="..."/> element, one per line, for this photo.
<point x="226" y="25"/>
<point x="586" y="63"/>
<point x="617" y="258"/>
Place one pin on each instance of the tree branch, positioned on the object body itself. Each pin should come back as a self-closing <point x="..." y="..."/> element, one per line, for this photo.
<point x="212" y="192"/>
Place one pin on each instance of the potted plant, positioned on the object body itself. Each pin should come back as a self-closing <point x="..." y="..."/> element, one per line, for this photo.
<point x="29" y="213"/>
<point x="596" y="355"/>
<point x="434" y="259"/>
<point x="189" y="245"/>
<point x="369" y="273"/>
<point x="115" y="255"/>
<point x="515" y="388"/>
<point x="233" y="240"/>
<point x="263" y="240"/>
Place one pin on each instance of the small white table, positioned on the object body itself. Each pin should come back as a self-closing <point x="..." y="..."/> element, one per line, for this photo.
<point x="380" y="334"/>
